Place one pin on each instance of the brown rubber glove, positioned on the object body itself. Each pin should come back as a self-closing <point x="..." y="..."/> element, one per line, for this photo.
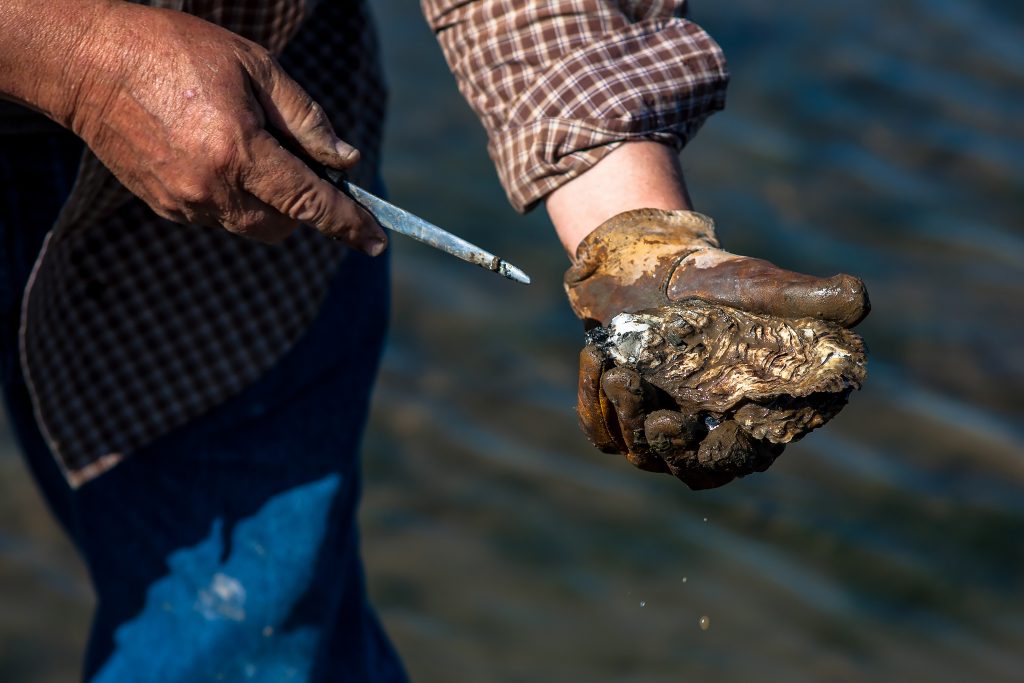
<point x="728" y="359"/>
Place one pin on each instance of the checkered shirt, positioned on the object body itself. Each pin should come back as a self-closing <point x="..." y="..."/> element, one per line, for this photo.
<point x="133" y="325"/>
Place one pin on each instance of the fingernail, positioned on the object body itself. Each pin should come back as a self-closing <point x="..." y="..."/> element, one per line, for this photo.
<point x="375" y="247"/>
<point x="346" y="151"/>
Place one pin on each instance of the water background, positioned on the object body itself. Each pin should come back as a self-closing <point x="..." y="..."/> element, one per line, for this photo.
<point x="883" y="139"/>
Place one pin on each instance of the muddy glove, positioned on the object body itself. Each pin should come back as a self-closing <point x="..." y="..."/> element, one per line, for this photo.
<point x="703" y="363"/>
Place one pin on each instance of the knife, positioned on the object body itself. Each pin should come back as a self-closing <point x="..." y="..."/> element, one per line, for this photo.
<point x="401" y="221"/>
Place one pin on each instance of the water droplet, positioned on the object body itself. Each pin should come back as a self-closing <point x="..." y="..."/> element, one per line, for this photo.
<point x="643" y="603"/>
<point x="684" y="579"/>
<point x="705" y="623"/>
<point x="705" y="519"/>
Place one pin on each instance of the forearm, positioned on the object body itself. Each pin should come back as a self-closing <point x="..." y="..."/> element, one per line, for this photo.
<point x="42" y="52"/>
<point x="637" y="175"/>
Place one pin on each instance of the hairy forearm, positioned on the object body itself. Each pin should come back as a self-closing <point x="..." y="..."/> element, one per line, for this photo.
<point x="44" y="52"/>
<point x="636" y="175"/>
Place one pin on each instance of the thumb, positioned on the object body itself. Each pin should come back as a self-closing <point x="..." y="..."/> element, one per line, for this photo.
<point x="293" y="113"/>
<point x="762" y="287"/>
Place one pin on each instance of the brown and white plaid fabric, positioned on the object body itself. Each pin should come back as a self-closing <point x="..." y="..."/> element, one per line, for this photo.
<point x="133" y="325"/>
<point x="559" y="84"/>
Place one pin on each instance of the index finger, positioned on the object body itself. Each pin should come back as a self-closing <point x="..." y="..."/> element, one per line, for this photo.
<point x="627" y="393"/>
<point x="284" y="182"/>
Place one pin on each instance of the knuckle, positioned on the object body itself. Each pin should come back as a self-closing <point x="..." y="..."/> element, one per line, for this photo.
<point x="245" y="225"/>
<point x="310" y="206"/>
<point x="195" y="191"/>
<point x="158" y="202"/>
<point x="257" y="57"/>
<point x="222" y="154"/>
<point x="268" y="60"/>
<point x="163" y="210"/>
<point x="263" y="66"/>
<point x="164" y="204"/>
<point x="315" y="119"/>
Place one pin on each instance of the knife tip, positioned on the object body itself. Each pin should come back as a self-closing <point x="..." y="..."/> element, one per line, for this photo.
<point x="513" y="273"/>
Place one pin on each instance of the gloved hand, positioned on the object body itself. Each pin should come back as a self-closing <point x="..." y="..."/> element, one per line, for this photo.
<point x="729" y="358"/>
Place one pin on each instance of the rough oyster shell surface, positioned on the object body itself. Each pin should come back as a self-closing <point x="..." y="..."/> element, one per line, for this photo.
<point x="777" y="378"/>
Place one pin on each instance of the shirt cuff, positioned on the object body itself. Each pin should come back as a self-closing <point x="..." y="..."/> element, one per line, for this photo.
<point x="653" y="81"/>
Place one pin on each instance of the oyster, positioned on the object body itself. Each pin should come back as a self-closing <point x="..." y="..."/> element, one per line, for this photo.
<point x="755" y="381"/>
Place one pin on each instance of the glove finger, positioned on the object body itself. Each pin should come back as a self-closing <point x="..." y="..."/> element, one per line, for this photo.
<point x="729" y="452"/>
<point x="627" y="394"/>
<point x="762" y="287"/>
<point x="677" y="438"/>
<point x="671" y="434"/>
<point x="596" y="414"/>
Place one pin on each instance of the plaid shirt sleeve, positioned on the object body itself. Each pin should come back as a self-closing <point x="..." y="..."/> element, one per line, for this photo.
<point x="559" y="84"/>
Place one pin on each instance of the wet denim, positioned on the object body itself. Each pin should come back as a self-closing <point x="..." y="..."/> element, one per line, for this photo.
<point x="227" y="550"/>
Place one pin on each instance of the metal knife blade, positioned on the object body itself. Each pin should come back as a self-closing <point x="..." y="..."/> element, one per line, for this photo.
<point x="401" y="221"/>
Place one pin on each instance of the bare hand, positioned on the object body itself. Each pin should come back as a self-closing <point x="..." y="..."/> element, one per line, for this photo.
<point x="181" y="111"/>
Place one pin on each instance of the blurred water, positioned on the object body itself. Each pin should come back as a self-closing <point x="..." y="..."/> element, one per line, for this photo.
<point x="876" y="138"/>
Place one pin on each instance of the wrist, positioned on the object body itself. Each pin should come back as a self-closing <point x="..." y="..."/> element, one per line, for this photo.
<point x="46" y="48"/>
<point x="635" y="175"/>
<point x="92" y="79"/>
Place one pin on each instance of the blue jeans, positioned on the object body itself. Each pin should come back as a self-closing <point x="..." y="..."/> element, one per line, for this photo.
<point x="227" y="550"/>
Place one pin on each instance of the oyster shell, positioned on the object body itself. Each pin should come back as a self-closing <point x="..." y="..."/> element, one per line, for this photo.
<point x="776" y="378"/>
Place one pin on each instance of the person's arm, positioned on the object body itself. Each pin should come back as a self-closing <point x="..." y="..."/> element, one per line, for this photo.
<point x="637" y="175"/>
<point x="638" y="249"/>
<point x="184" y="113"/>
<point x="586" y="105"/>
